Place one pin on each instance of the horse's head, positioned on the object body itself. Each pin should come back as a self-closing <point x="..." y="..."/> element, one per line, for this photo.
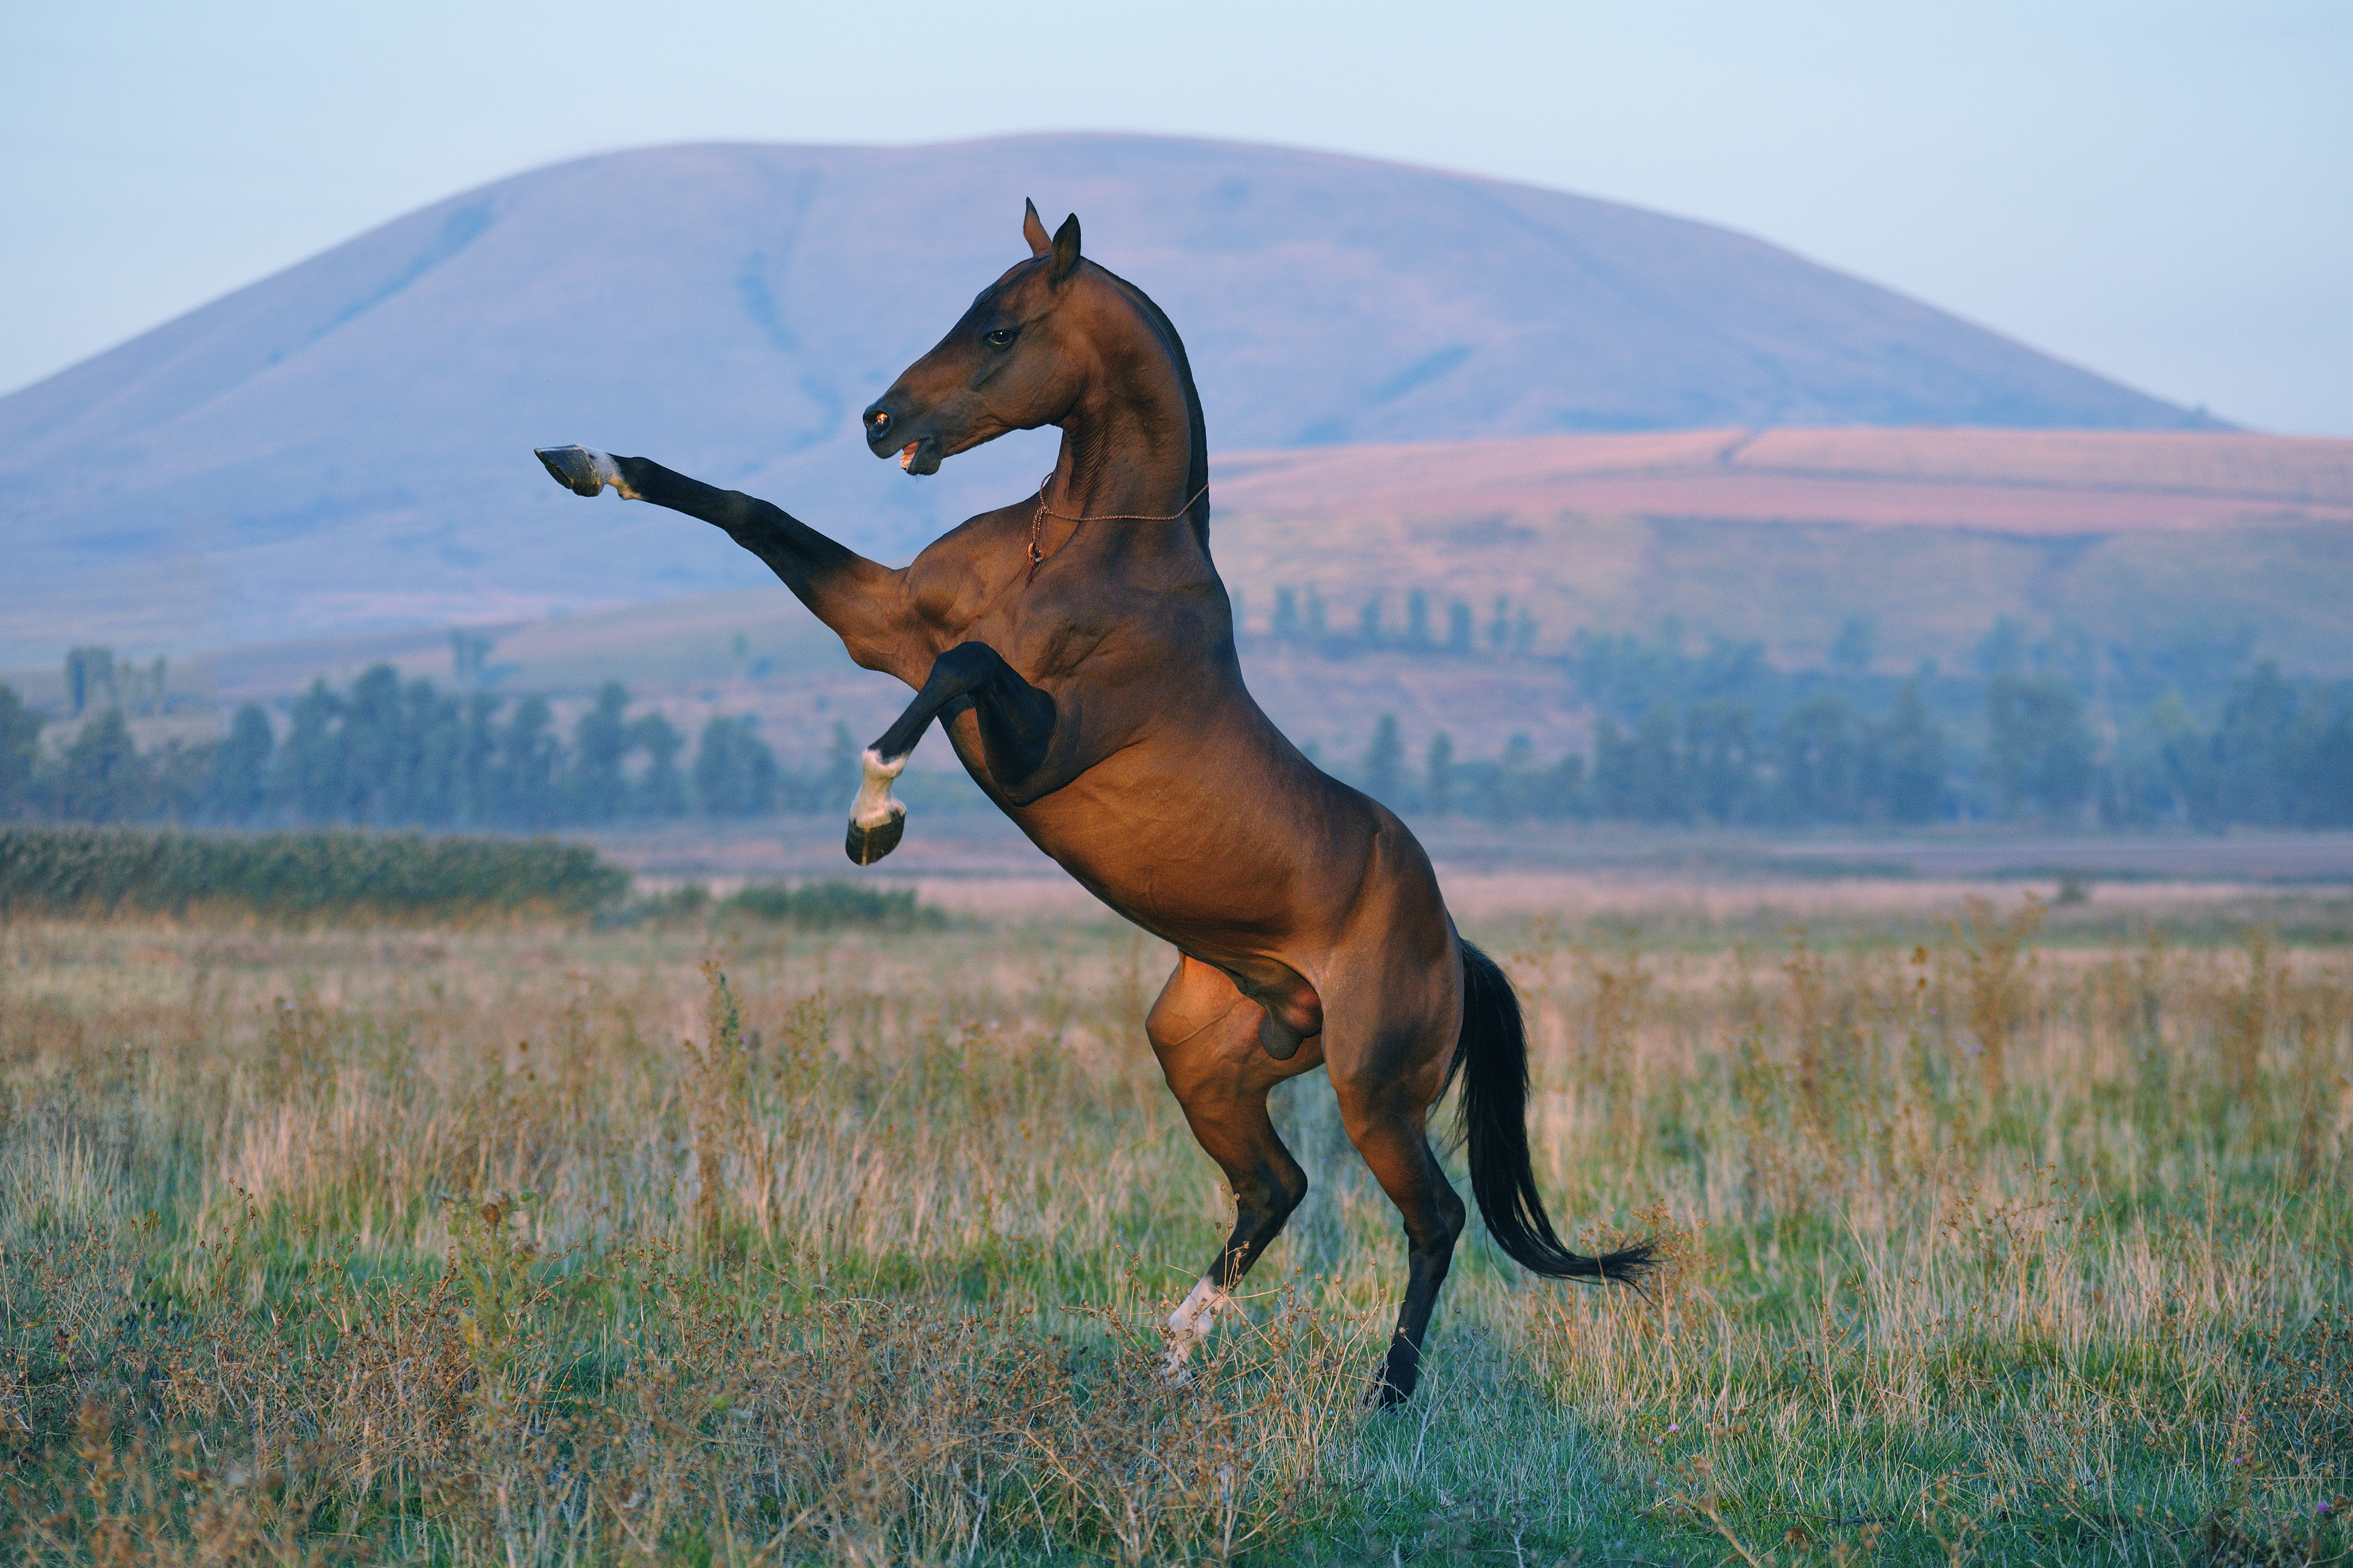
<point x="1015" y="361"/>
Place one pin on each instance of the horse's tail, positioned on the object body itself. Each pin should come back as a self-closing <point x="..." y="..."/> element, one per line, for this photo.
<point x="1493" y="1060"/>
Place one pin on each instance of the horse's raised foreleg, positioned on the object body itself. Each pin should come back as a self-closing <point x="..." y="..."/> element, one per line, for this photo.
<point x="1017" y="723"/>
<point x="857" y="597"/>
<point x="1206" y="1034"/>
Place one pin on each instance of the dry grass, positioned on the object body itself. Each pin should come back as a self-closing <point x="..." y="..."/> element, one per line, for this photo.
<point x="534" y="1243"/>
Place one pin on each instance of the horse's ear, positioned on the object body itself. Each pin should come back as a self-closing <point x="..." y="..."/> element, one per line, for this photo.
<point x="1066" y="247"/>
<point x="1033" y="229"/>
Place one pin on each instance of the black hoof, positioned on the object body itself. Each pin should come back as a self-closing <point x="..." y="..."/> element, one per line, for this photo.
<point x="868" y="845"/>
<point x="574" y="468"/>
<point x="1400" y="1374"/>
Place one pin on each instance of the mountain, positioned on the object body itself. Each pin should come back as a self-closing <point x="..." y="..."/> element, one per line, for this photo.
<point x="346" y="444"/>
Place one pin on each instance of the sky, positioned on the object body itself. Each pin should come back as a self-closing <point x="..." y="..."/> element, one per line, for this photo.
<point x="2160" y="192"/>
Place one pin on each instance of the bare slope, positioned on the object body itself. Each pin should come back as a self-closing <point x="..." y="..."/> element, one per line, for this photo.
<point x="345" y="444"/>
<point x="1781" y="536"/>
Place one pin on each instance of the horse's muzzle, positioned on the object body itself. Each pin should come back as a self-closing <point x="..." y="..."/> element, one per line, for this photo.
<point x="888" y="432"/>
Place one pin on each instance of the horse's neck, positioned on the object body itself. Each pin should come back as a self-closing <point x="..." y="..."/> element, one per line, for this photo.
<point x="1127" y="445"/>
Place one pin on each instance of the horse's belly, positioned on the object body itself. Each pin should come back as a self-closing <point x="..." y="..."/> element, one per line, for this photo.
<point x="1198" y="865"/>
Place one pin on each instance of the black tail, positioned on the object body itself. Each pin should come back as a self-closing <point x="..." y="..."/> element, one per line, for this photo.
<point x="1493" y="1060"/>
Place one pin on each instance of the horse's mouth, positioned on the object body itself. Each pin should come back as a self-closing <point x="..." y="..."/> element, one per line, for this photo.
<point x="921" y="456"/>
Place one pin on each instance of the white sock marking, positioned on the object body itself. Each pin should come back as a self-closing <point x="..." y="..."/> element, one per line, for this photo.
<point x="1188" y="1325"/>
<point x="609" y="473"/>
<point x="874" y="805"/>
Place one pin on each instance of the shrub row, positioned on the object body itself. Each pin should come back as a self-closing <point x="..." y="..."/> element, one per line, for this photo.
<point x="84" y="869"/>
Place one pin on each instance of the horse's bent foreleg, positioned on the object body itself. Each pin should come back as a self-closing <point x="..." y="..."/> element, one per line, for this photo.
<point x="1384" y="1116"/>
<point x="1206" y="1034"/>
<point x="1017" y="721"/>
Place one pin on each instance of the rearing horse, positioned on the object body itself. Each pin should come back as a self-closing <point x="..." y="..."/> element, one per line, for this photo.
<point x="1079" y="648"/>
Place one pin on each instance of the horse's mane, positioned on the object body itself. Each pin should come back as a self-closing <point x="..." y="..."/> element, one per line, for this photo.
<point x="1196" y="477"/>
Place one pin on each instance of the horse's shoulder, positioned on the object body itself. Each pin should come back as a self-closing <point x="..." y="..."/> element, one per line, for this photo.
<point x="956" y="564"/>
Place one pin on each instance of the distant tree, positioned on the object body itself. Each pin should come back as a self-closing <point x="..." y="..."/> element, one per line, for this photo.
<point x="374" y="744"/>
<point x="2039" y="749"/>
<point x="1438" y="790"/>
<point x="2002" y="650"/>
<point x="2326" y="795"/>
<point x="1818" y="756"/>
<point x="1907" y="759"/>
<point x="240" y="786"/>
<point x="101" y="777"/>
<point x="530" y="767"/>
<point x="1318" y="631"/>
<point x="1523" y="633"/>
<point x="1614" y="784"/>
<point x="2255" y="748"/>
<point x="734" y="772"/>
<point x="433" y="754"/>
<point x="1368" y="622"/>
<point x="661" y="792"/>
<point x="89" y="679"/>
<point x="477" y="761"/>
<point x="2183" y="763"/>
<point x="307" y="781"/>
<point x="1384" y="760"/>
<point x="20" y="750"/>
<point x="155" y="692"/>
<point x="180" y="775"/>
<point x="1639" y="777"/>
<point x="1286" y="615"/>
<point x="600" y="753"/>
<point x="469" y="657"/>
<point x="1458" y="627"/>
<point x="1720" y="757"/>
<point x="1515" y="781"/>
<point x="1562" y="790"/>
<point x="1417" y="620"/>
<point x="1858" y="642"/>
<point x="1499" y="624"/>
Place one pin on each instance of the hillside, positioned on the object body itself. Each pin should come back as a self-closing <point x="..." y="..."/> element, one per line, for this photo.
<point x="1782" y="536"/>
<point x="345" y="445"/>
<point x="2154" y="546"/>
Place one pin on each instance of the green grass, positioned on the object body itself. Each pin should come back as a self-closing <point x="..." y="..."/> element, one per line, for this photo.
<point x="538" y="1243"/>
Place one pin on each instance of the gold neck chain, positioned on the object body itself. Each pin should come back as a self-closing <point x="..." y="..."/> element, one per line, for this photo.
<point x="1038" y="520"/>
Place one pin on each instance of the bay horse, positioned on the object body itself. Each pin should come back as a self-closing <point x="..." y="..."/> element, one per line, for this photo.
<point x="1078" y="648"/>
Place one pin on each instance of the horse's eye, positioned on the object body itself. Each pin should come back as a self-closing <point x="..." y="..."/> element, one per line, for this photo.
<point x="999" y="338"/>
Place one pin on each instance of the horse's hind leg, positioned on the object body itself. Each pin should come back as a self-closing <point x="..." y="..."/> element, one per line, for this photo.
<point x="1385" y="1096"/>
<point x="1206" y="1034"/>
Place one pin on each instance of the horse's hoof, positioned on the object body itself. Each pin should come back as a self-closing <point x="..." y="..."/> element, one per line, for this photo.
<point x="868" y="845"/>
<point x="577" y="469"/>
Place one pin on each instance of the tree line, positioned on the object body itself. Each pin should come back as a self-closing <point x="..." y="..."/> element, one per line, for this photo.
<point x="2280" y="754"/>
<point x="1302" y="618"/>
<point x="386" y="752"/>
<point x="1720" y="737"/>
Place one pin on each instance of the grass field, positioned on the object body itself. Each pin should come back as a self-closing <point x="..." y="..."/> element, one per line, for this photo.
<point x="532" y="1243"/>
